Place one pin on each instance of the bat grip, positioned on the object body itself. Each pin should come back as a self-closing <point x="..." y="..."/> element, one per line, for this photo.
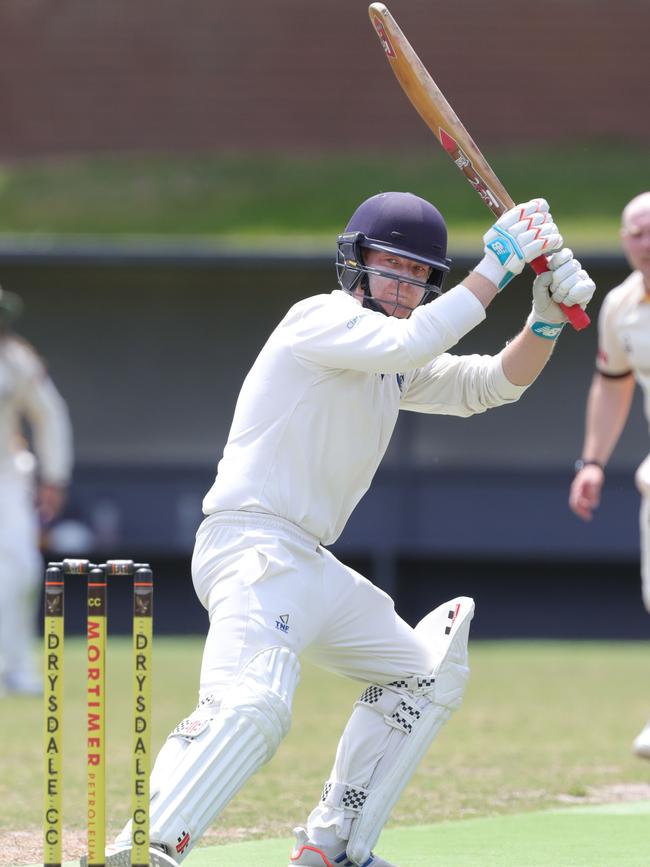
<point x="576" y="315"/>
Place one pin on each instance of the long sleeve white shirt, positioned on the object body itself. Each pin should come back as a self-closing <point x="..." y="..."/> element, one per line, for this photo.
<point x="28" y="394"/>
<point x="318" y="407"/>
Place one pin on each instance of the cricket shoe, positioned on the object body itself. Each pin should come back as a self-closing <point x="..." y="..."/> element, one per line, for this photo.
<point x="641" y="745"/>
<point x="120" y="856"/>
<point x="308" y="854"/>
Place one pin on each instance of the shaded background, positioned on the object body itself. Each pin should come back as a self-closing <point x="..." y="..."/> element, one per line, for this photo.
<point x="149" y="345"/>
<point x="164" y="74"/>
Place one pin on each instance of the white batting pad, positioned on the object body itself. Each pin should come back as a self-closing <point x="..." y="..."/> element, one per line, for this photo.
<point x="415" y="710"/>
<point x="211" y="754"/>
<point x="446" y="631"/>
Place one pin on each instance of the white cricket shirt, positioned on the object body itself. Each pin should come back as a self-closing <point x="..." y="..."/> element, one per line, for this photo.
<point x="27" y="393"/>
<point x="624" y="334"/>
<point x="318" y="407"/>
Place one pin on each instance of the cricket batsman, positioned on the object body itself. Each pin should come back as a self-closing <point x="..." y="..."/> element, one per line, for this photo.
<point x="313" y="420"/>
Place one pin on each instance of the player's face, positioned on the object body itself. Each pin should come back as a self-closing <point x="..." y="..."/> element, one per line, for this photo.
<point x="636" y="241"/>
<point x="396" y="294"/>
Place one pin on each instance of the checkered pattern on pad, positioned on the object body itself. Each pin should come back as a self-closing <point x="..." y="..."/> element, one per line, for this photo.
<point x="372" y="694"/>
<point x="344" y="795"/>
<point x="406" y="715"/>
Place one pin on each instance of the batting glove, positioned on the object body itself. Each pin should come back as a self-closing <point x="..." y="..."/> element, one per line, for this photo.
<point x="522" y="234"/>
<point x="565" y="283"/>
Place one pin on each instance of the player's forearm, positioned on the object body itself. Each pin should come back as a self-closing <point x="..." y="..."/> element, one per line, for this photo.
<point x="484" y="289"/>
<point x="524" y="357"/>
<point x="608" y="407"/>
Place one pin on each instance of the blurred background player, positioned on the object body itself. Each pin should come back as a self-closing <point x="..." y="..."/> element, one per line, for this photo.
<point x="312" y="423"/>
<point x="33" y="485"/>
<point x="623" y="359"/>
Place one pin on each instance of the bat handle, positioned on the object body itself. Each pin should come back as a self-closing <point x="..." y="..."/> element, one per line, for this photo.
<point x="576" y="315"/>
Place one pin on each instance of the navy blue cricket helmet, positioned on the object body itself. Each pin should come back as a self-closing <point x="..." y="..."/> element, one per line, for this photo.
<point x="399" y="223"/>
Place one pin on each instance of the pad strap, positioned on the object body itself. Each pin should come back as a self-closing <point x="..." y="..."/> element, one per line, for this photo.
<point x="416" y="685"/>
<point x="397" y="711"/>
<point x="344" y="796"/>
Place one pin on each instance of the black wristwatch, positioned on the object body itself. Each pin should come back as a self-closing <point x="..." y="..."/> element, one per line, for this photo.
<point x="580" y="463"/>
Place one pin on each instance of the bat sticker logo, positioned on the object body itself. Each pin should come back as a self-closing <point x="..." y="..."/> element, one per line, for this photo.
<point x="464" y="163"/>
<point x="383" y="37"/>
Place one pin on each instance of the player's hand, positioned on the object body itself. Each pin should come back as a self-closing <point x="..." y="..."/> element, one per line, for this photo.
<point x="50" y="500"/>
<point x="520" y="235"/>
<point x="566" y="282"/>
<point x="584" y="496"/>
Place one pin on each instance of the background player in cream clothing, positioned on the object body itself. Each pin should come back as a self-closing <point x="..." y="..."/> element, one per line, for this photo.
<point x="623" y="359"/>
<point x="312" y="423"/>
<point x="29" y="492"/>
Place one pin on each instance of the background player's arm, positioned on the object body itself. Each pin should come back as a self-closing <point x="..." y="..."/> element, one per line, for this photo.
<point x="47" y="415"/>
<point x="608" y="407"/>
<point x="50" y="500"/>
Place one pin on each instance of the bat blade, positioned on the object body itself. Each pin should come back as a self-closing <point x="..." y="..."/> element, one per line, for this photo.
<point x="432" y="106"/>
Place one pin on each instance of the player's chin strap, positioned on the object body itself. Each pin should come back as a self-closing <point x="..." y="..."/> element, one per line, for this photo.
<point x="368" y="301"/>
<point x="414" y="709"/>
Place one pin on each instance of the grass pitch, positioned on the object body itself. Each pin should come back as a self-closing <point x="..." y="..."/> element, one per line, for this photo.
<point x="267" y="200"/>
<point x="571" y="838"/>
<point x="575" y="837"/>
<point x="544" y="725"/>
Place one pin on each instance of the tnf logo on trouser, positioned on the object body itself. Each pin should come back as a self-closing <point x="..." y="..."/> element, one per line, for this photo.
<point x="282" y="623"/>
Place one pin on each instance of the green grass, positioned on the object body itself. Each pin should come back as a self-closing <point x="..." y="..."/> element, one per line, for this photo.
<point x="280" y="199"/>
<point x="543" y="724"/>
<point x="587" y="837"/>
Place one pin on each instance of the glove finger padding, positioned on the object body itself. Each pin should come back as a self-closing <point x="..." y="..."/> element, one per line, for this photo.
<point x="565" y="283"/>
<point x="518" y="236"/>
<point x="571" y="284"/>
<point x="583" y="290"/>
<point x="519" y="212"/>
<point x="536" y="241"/>
<point x="524" y="223"/>
<point x="556" y="261"/>
<point x="564" y="269"/>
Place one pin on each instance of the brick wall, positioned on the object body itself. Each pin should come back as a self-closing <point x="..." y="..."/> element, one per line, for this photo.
<point x="293" y="74"/>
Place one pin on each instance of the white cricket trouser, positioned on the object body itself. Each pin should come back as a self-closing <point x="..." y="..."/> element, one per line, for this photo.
<point x="643" y="484"/>
<point x="266" y="583"/>
<point x="20" y="566"/>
